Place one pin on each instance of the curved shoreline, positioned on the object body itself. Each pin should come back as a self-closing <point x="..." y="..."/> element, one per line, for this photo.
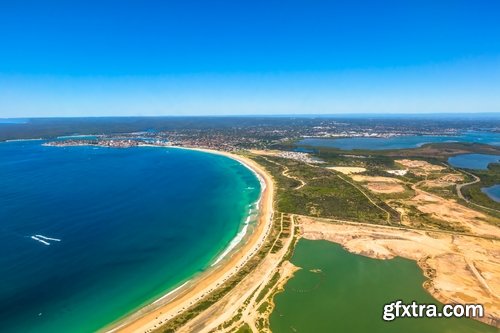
<point x="225" y="265"/>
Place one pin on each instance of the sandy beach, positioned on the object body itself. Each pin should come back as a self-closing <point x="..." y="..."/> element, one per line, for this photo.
<point x="173" y="303"/>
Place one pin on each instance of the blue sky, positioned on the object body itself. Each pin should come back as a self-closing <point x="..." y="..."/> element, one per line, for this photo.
<point x="96" y="58"/>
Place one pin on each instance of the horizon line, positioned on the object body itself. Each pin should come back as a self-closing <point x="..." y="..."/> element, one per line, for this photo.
<point x="277" y="115"/>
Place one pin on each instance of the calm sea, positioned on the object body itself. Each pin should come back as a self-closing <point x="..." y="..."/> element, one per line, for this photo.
<point x="124" y="226"/>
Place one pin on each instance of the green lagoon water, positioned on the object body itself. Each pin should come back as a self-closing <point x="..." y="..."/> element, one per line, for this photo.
<point x="349" y="293"/>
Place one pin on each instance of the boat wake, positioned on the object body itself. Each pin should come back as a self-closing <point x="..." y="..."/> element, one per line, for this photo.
<point x="43" y="239"/>
<point x="48" y="238"/>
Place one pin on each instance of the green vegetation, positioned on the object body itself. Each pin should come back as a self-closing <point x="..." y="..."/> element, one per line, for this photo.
<point x="324" y="194"/>
<point x="244" y="329"/>
<point x="373" y="163"/>
<point x="263" y="308"/>
<point x="377" y="162"/>
<point x="447" y="192"/>
<point x="268" y="287"/>
<point x="488" y="178"/>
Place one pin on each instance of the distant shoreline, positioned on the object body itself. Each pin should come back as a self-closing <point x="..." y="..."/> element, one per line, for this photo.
<point x="225" y="265"/>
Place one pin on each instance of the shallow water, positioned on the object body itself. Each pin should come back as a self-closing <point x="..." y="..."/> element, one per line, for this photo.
<point x="337" y="291"/>
<point x="473" y="161"/>
<point x="493" y="192"/>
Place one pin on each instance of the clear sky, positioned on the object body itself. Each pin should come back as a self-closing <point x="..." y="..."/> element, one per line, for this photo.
<point x="101" y="58"/>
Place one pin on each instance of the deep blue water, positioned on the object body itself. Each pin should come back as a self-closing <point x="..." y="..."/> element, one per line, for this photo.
<point x="493" y="192"/>
<point x="473" y="161"/>
<point x="400" y="142"/>
<point x="133" y="224"/>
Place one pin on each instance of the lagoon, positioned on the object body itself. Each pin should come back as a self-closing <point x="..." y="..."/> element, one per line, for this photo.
<point x="337" y="291"/>
<point x="473" y="161"/>
<point x="493" y="192"/>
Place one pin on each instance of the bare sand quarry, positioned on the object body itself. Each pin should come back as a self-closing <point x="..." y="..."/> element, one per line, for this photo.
<point x="347" y="170"/>
<point x="420" y="168"/>
<point x="453" y="213"/>
<point x="384" y="185"/>
<point x="447" y="180"/>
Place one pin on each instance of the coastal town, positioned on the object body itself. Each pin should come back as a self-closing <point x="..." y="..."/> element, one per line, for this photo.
<point x="233" y="134"/>
<point x="110" y="143"/>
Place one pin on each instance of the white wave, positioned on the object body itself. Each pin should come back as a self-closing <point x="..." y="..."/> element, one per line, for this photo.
<point x="236" y="240"/>
<point x="257" y="204"/>
<point x="171" y="292"/>
<point x="48" y="238"/>
<point x="40" y="240"/>
<point x="239" y="237"/>
<point x="261" y="180"/>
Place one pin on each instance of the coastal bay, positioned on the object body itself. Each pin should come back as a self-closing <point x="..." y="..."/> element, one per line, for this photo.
<point x="153" y="316"/>
<point x="162" y="207"/>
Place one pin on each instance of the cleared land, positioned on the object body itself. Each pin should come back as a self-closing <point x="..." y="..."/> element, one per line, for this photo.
<point x="348" y="170"/>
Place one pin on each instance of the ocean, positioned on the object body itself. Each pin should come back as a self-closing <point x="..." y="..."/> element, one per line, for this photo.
<point x="90" y="234"/>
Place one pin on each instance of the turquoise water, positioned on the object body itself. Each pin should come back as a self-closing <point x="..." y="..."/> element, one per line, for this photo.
<point x="133" y="223"/>
<point x="337" y="291"/>
<point x="493" y="192"/>
<point x="473" y="161"/>
<point x="400" y="142"/>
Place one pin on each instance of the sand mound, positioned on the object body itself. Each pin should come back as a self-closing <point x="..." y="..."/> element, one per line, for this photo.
<point x="447" y="180"/>
<point x="420" y="167"/>
<point x="453" y="213"/>
<point x="385" y="188"/>
<point x="372" y="179"/>
<point x="348" y="170"/>
<point x="383" y="185"/>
